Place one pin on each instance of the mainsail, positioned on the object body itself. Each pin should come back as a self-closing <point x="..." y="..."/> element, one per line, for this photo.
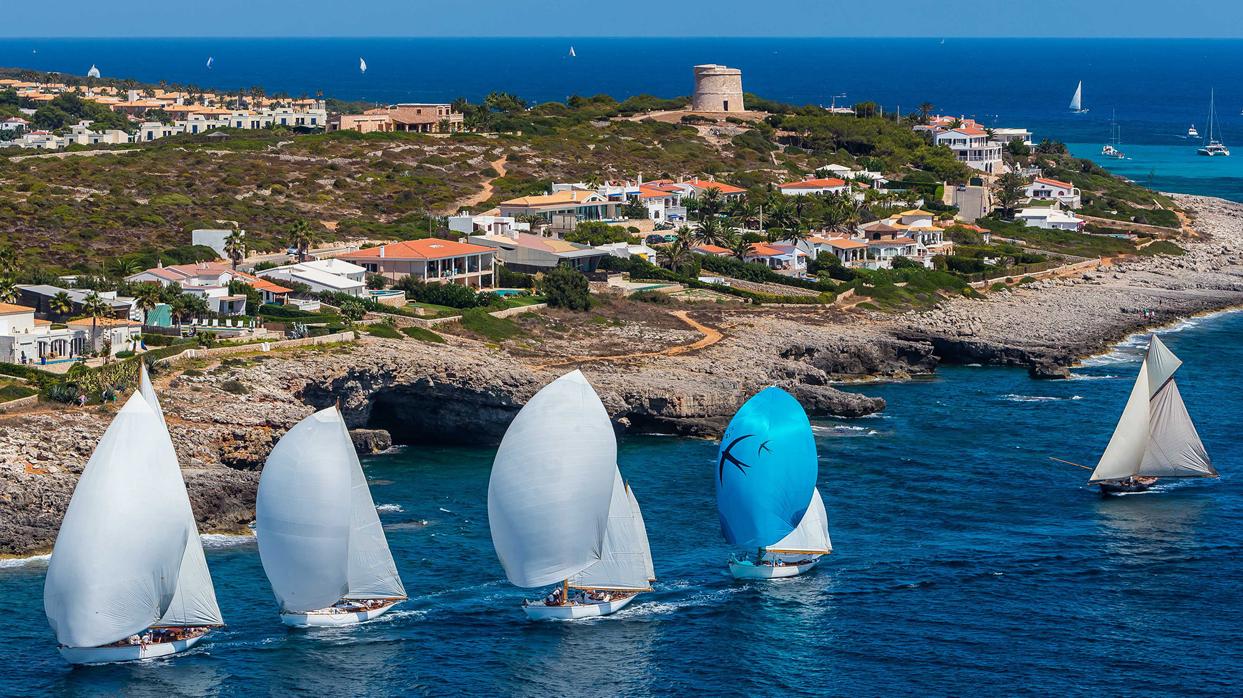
<point x="1155" y="436"/>
<point x="362" y="65"/>
<point x="118" y="556"/>
<point x="1076" y="102"/>
<point x="551" y="486"/>
<point x="625" y="558"/>
<point x="766" y="470"/>
<point x="647" y="548"/>
<point x="93" y="72"/>
<point x="320" y="538"/>
<point x="812" y="535"/>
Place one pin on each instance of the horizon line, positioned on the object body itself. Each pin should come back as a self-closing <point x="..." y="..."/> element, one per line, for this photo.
<point x="934" y="37"/>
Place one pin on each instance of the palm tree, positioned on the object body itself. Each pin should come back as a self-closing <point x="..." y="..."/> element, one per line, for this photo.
<point x="300" y="238"/>
<point x="8" y="261"/>
<point x="95" y="306"/>
<point x="676" y="254"/>
<point x="8" y="291"/>
<point x="710" y="202"/>
<point x="740" y="247"/>
<point x="60" y="304"/>
<point x="180" y="306"/>
<point x="147" y="297"/>
<point x="122" y="267"/>
<point x="235" y="247"/>
<point x="925" y="111"/>
<point x="711" y="231"/>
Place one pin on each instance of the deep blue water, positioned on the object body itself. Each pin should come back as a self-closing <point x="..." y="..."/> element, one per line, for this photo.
<point x="965" y="561"/>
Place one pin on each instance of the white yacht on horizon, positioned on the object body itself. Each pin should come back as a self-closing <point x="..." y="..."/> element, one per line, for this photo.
<point x="1214" y="147"/>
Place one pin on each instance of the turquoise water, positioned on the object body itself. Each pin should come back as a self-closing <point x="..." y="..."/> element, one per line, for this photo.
<point x="965" y="562"/>
<point x="1173" y="167"/>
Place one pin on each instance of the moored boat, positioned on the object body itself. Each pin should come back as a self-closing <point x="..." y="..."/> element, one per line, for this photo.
<point x="1155" y="437"/>
<point x="122" y="588"/>
<point x="320" y="539"/>
<point x="559" y="511"/>
<point x="1213" y="147"/>
<point x="766" y="489"/>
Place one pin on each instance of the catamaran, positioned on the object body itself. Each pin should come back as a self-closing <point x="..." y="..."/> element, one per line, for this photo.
<point x="1113" y="149"/>
<point x="1155" y="436"/>
<point x="559" y="511"/>
<point x="1214" y="147"/>
<point x="127" y="578"/>
<point x="1076" y="102"/>
<point x="766" y="491"/>
<point x="93" y="72"/>
<point x="320" y="539"/>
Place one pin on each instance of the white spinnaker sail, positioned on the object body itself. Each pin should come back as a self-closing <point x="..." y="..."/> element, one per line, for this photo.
<point x="1126" y="448"/>
<point x="362" y="65"/>
<point x="93" y="72"/>
<point x="812" y="534"/>
<point x="1076" y="102"/>
<point x="552" y="483"/>
<point x="115" y="566"/>
<point x="372" y="572"/>
<point x="303" y="515"/>
<point x="1174" y="446"/>
<point x="623" y="564"/>
<point x="647" y="548"/>
<point x="148" y="392"/>
<point x="1161" y="363"/>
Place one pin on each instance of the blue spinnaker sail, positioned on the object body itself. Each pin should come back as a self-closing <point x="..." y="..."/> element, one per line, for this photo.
<point x="766" y="470"/>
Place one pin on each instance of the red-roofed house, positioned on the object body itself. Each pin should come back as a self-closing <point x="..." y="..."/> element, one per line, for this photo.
<point x="697" y="187"/>
<point x="779" y="257"/>
<point x="825" y="185"/>
<point x="712" y="250"/>
<point x="430" y="260"/>
<point x="1045" y="188"/>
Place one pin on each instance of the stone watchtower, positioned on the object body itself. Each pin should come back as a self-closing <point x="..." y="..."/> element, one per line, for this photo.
<point x="717" y="89"/>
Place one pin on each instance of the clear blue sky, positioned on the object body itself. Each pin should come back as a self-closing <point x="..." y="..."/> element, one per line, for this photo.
<point x="583" y="18"/>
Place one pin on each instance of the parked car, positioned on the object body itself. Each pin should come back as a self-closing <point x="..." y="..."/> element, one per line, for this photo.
<point x="663" y="226"/>
<point x="654" y="239"/>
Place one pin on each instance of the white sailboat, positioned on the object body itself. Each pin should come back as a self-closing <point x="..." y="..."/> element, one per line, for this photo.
<point x="127" y="578"/>
<point x="1214" y="147"/>
<point x="362" y="66"/>
<point x="795" y="554"/>
<point x="320" y="539"/>
<point x="1076" y="102"/>
<point x="1113" y="149"/>
<point x="572" y="54"/>
<point x="1192" y="132"/>
<point x="1155" y="436"/>
<point x="210" y="60"/>
<point x="93" y="72"/>
<point x="558" y="509"/>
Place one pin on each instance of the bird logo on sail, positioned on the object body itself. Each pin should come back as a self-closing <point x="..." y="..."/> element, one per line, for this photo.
<point x="727" y="456"/>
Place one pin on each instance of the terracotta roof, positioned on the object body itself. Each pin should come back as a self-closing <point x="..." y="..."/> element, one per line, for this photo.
<point x="10" y="309"/>
<point x="894" y="241"/>
<point x="846" y="243"/>
<point x="719" y="186"/>
<point x="712" y="249"/>
<point x="917" y="212"/>
<point x="104" y="322"/>
<point x="760" y="249"/>
<point x="427" y="248"/>
<point x="1055" y="182"/>
<point x="265" y="285"/>
<point x="572" y="196"/>
<point x="646" y="193"/>
<point x="823" y="183"/>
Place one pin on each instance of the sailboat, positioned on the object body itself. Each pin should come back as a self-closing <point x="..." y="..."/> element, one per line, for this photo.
<point x="127" y="579"/>
<point x="93" y="72"/>
<point x="362" y="66"/>
<point x="766" y="489"/>
<point x="1214" y="147"/>
<point x="559" y="511"/>
<point x="1076" y="102"/>
<point x="210" y="60"/>
<point x="1192" y="132"/>
<point x="320" y="539"/>
<point x="1113" y="149"/>
<point x="572" y="54"/>
<point x="1155" y="436"/>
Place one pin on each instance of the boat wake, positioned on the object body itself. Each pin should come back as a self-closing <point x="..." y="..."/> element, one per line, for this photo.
<point x="843" y="430"/>
<point x="1090" y="377"/>
<point x="1011" y="397"/>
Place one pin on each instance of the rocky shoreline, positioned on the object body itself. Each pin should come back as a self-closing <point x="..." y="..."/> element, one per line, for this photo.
<point x="226" y="416"/>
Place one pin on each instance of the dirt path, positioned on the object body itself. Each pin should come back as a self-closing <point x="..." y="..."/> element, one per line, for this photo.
<point x="486" y="190"/>
<point x="711" y="336"/>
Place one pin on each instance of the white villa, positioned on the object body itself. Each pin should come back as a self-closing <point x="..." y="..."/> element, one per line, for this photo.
<point x="971" y="145"/>
<point x="468" y="224"/>
<point x="25" y="340"/>
<point x="334" y="275"/>
<point x="1046" y="189"/>
<point x="778" y="257"/>
<point x="1049" y="218"/>
<point x="825" y="185"/>
<point x="431" y="260"/>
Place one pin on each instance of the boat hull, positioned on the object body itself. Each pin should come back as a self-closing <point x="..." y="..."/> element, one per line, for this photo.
<point x="127" y="653"/>
<point x="1125" y="486"/>
<point x="747" y="570"/>
<point x="538" y="611"/>
<point x="334" y="620"/>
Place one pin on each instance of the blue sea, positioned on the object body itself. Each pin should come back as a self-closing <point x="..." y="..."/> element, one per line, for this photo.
<point x="1157" y="88"/>
<point x="965" y="562"/>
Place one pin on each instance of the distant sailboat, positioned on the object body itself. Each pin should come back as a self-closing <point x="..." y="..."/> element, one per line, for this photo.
<point x="572" y="54"/>
<point x="344" y="573"/>
<point x="362" y="66"/>
<point x="1192" y="132"/>
<point x="1113" y="149"/>
<point x="1214" y="147"/>
<point x="127" y="578"/>
<point x="210" y="60"/>
<point x="766" y="489"/>
<point x="1155" y="436"/>
<point x="93" y="72"/>
<point x="559" y="511"/>
<point x="1076" y="102"/>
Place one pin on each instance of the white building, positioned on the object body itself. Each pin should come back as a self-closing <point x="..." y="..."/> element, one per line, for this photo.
<point x="81" y="134"/>
<point x="25" y="340"/>
<point x="778" y="257"/>
<point x="1046" y="189"/>
<point x="626" y="250"/>
<point x="826" y="185"/>
<point x="1049" y="218"/>
<point x="14" y="123"/>
<point x="972" y="146"/>
<point x="468" y="224"/>
<point x="1006" y="135"/>
<point x="313" y="274"/>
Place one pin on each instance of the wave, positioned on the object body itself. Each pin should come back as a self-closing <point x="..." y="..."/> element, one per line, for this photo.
<point x="844" y="430"/>
<point x="1090" y="377"/>
<point x="10" y="562"/>
<point x="226" y="540"/>
<point x="389" y="507"/>
<point x="1012" y="397"/>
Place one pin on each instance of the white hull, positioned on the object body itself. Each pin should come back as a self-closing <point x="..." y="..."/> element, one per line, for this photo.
<point x="746" y="570"/>
<point x="538" y="611"/>
<point x="127" y="653"/>
<point x="333" y="620"/>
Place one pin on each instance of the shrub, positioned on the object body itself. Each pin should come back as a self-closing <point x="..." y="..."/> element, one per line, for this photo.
<point x="124" y="354"/>
<point x="513" y="279"/>
<point x="566" y="288"/>
<point x="652" y="297"/>
<point x="452" y="295"/>
<point x="423" y="335"/>
<point x="234" y="387"/>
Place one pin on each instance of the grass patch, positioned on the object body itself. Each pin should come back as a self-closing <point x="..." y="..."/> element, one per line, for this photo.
<point x="383" y="330"/>
<point x="423" y="335"/>
<point x="479" y="322"/>
<point x="1162" y="247"/>
<point x="14" y="391"/>
<point x="433" y="310"/>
